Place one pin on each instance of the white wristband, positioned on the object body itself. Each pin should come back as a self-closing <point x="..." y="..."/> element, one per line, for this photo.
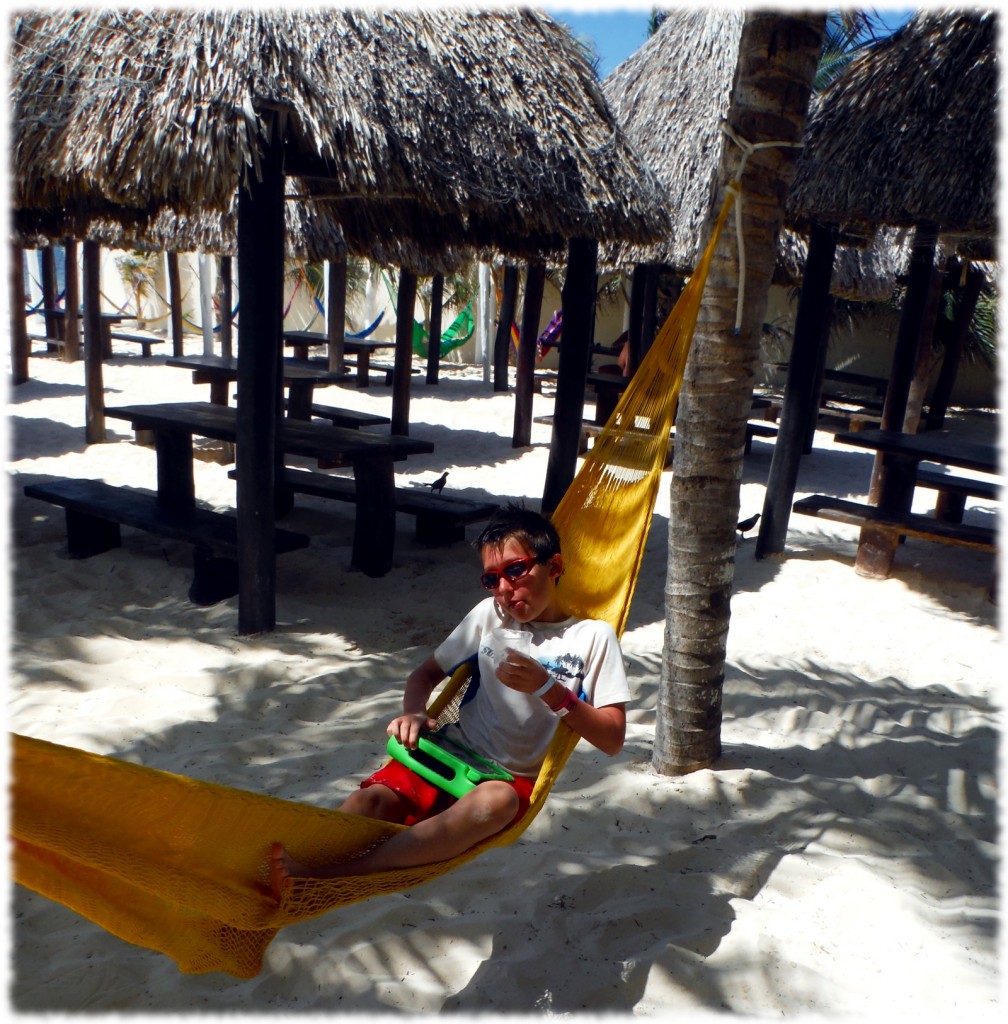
<point x="545" y="686"/>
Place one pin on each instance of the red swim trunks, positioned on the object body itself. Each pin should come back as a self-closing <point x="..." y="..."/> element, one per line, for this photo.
<point x="425" y="799"/>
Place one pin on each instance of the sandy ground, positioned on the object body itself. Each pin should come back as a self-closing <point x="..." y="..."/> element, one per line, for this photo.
<point x="841" y="858"/>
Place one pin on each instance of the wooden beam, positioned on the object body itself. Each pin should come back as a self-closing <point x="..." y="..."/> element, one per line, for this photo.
<point x="18" y="324"/>
<point x="800" y="396"/>
<point x="502" y="339"/>
<point x="891" y="485"/>
<point x="50" y="294"/>
<point x="336" y="313"/>
<point x="528" y="337"/>
<point x="260" y="351"/>
<point x="71" y="303"/>
<point x="402" y="372"/>
<point x="175" y="304"/>
<point x="578" y="304"/>
<point x="227" y="298"/>
<point x="436" y="312"/>
<point x="93" y="351"/>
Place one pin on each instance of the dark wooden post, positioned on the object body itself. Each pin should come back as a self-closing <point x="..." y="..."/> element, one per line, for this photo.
<point x="93" y="351"/>
<point x="260" y="350"/>
<point x="227" y="300"/>
<point x="402" y="371"/>
<point x="50" y="294"/>
<point x="18" y="324"/>
<point x="825" y="319"/>
<point x="436" y="315"/>
<point x="71" y="303"/>
<point x="924" y="357"/>
<point x="955" y="341"/>
<point x="649" y="312"/>
<point x="892" y="477"/>
<point x="799" y="392"/>
<point x="505" y="318"/>
<point x="336" y="313"/>
<point x="577" y="303"/>
<point x="175" y="302"/>
<point x="528" y="338"/>
<point x="635" y="348"/>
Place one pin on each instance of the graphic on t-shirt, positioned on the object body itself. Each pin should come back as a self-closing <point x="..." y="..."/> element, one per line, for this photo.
<point x="566" y="669"/>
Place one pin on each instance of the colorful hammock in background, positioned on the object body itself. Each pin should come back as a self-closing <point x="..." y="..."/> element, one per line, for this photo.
<point x="178" y="865"/>
<point x="459" y="332"/>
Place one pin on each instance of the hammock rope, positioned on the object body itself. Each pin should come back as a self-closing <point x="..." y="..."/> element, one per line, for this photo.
<point x="180" y="866"/>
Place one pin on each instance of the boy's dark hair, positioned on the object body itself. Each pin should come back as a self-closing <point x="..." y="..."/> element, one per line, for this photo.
<point x="529" y="527"/>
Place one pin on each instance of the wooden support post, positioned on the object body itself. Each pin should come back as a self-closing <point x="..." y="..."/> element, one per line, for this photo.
<point x="50" y="294"/>
<point x="578" y="303"/>
<point x="825" y="319"/>
<point x="892" y="483"/>
<point x="175" y="303"/>
<point x="924" y="357"/>
<point x="635" y="349"/>
<point x="528" y="337"/>
<point x="227" y="298"/>
<point x="799" y="392"/>
<point x="93" y="344"/>
<point x="649" y="311"/>
<point x="260" y="351"/>
<point x="403" y="367"/>
<point x="968" y="293"/>
<point x="436" y="312"/>
<point x="18" y="324"/>
<point x="502" y="339"/>
<point x="336" y="313"/>
<point x="71" y="303"/>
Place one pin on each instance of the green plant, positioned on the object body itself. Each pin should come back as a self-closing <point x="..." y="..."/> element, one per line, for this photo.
<point x="138" y="271"/>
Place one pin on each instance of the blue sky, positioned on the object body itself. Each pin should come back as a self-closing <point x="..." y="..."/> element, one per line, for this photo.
<point x="619" y="29"/>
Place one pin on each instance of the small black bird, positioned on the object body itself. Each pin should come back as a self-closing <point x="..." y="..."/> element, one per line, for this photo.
<point x="438" y="484"/>
<point x="747" y="524"/>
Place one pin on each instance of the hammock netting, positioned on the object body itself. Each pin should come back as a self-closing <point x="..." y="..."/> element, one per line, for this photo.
<point x="180" y="865"/>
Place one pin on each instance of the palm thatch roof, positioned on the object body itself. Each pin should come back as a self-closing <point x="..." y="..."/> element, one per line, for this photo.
<point x="907" y="135"/>
<point x="670" y="97"/>
<point x="426" y="128"/>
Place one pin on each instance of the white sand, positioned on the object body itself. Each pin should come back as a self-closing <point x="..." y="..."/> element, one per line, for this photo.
<point x="840" y="858"/>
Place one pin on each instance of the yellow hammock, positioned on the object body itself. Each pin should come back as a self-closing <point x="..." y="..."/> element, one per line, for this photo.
<point x="178" y="865"/>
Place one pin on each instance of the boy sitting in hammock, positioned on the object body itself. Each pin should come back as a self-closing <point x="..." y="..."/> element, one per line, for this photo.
<point x="512" y="717"/>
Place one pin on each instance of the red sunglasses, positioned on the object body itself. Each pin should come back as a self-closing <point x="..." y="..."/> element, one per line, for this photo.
<point x="512" y="572"/>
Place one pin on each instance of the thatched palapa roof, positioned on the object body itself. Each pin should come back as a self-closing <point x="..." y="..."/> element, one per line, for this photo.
<point x="907" y="135"/>
<point x="435" y="128"/>
<point x="670" y="97"/>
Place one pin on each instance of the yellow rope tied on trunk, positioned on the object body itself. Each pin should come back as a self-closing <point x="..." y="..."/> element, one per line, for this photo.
<point x="178" y="865"/>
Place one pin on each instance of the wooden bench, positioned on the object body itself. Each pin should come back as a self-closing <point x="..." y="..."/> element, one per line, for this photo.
<point x="759" y="428"/>
<point x="384" y="371"/>
<point x="143" y="340"/>
<point x="439" y="519"/>
<point x="345" y="417"/>
<point x="95" y="510"/>
<point x="910" y="524"/>
<point x="953" y="492"/>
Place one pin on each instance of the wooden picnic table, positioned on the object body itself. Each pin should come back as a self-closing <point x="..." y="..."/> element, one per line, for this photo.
<point x="360" y="348"/>
<point x="300" y="376"/>
<point x="107" y="320"/>
<point x="890" y="515"/>
<point x="175" y="423"/>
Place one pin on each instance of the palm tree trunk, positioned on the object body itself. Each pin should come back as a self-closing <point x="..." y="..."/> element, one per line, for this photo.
<point x="777" y="63"/>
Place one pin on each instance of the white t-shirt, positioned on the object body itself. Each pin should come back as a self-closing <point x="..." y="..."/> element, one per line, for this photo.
<point x="512" y="728"/>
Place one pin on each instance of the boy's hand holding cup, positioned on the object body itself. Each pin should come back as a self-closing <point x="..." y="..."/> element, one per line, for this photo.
<point x="513" y="662"/>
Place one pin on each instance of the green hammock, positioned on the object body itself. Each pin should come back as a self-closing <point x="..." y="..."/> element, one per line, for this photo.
<point x="458" y="333"/>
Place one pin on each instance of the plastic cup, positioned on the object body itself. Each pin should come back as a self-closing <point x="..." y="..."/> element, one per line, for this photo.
<point x="503" y="641"/>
